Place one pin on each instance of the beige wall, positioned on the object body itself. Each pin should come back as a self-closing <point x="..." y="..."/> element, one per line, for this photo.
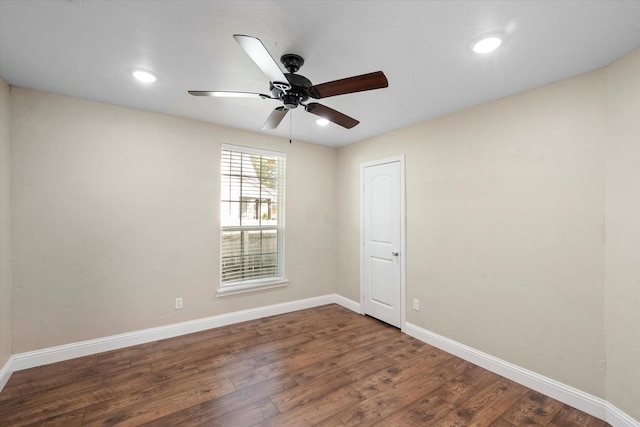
<point x="116" y="214"/>
<point x="506" y="228"/>
<point x="622" y="298"/>
<point x="5" y="226"/>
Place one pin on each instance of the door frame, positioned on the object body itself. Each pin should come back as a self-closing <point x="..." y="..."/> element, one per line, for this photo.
<point x="403" y="259"/>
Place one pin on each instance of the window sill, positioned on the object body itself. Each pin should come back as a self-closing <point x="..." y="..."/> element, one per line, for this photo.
<point x="243" y="288"/>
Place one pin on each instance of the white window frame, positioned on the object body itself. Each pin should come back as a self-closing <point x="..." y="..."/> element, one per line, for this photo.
<point x="279" y="280"/>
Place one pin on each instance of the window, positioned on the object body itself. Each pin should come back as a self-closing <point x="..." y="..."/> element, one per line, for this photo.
<point x="252" y="219"/>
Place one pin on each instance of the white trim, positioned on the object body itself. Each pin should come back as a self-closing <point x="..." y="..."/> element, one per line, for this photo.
<point x="347" y="303"/>
<point x="618" y="418"/>
<point x="6" y="372"/>
<point x="403" y="245"/>
<point x="254" y="286"/>
<point x="585" y="402"/>
<point x="253" y="150"/>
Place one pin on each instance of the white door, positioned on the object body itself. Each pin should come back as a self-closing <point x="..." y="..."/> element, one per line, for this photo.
<point x="383" y="240"/>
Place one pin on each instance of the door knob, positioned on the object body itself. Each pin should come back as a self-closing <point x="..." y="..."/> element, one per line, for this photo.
<point x="394" y="253"/>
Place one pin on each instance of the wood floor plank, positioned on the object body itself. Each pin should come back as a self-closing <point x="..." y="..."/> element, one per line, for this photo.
<point x="215" y="409"/>
<point x="452" y="393"/>
<point x="375" y="409"/>
<point x="171" y="355"/>
<point x="310" y="390"/>
<point x="330" y="422"/>
<point x="307" y="325"/>
<point x="371" y="332"/>
<point x="501" y="422"/>
<point x="337" y="327"/>
<point x="398" y="373"/>
<point x="56" y="380"/>
<point x="23" y="410"/>
<point x="157" y="402"/>
<point x="69" y="419"/>
<point x="26" y="409"/>
<point x="239" y="367"/>
<point x="400" y="393"/>
<point x="258" y="348"/>
<point x="568" y="416"/>
<point x="41" y="406"/>
<point x="338" y="362"/>
<point x="324" y="366"/>
<point x="422" y="412"/>
<point x="486" y="406"/>
<point x="286" y="353"/>
<point x="250" y="415"/>
<point x="317" y="410"/>
<point x="403" y="348"/>
<point x="285" y="361"/>
<point x="533" y="409"/>
<point x="21" y="382"/>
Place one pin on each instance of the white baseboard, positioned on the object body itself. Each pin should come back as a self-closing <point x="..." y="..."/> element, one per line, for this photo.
<point x="5" y="372"/>
<point x="347" y="303"/>
<point x="566" y="394"/>
<point x="618" y="418"/>
<point x="45" y="356"/>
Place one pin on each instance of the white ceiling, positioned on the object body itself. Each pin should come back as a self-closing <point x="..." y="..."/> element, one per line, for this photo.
<point x="88" y="49"/>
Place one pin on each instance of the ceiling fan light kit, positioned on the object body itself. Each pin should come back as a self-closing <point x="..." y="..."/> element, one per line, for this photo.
<point x="294" y="89"/>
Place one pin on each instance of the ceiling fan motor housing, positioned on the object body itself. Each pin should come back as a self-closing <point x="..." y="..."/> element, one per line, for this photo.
<point x="299" y="91"/>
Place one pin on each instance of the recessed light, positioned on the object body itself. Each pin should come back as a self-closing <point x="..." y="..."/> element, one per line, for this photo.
<point x="144" y="76"/>
<point x="487" y="44"/>
<point x="322" y="122"/>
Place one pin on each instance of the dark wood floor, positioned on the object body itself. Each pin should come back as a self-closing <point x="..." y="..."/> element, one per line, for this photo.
<point x="325" y="366"/>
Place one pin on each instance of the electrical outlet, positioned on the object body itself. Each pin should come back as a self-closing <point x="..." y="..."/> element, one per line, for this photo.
<point x="416" y="304"/>
<point x="178" y="303"/>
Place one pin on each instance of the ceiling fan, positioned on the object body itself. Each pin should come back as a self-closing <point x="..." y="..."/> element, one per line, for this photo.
<point x="294" y="89"/>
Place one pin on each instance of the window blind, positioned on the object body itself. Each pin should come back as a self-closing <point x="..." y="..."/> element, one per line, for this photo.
<point x="252" y="216"/>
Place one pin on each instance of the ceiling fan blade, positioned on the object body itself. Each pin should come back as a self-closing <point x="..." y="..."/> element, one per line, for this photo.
<point x="369" y="81"/>
<point x="224" y="94"/>
<point x="331" y="115"/>
<point x="260" y="55"/>
<point x="275" y="118"/>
